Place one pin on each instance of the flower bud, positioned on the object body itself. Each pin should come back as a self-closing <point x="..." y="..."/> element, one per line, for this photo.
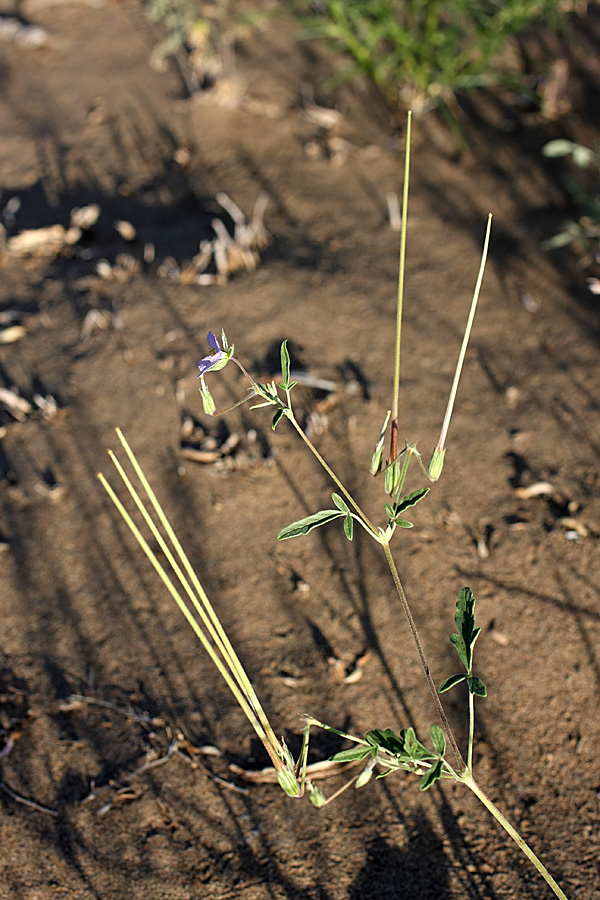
<point x="288" y="782"/>
<point x="316" y="795"/>
<point x="392" y="478"/>
<point x="436" y="464"/>
<point x="364" y="777"/>
<point x="207" y="401"/>
<point x="376" y="461"/>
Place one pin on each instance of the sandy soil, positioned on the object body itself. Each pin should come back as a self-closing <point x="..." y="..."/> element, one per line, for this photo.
<point x="86" y="120"/>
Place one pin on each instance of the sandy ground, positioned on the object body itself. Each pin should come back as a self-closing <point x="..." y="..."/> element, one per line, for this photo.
<point x="86" y="120"/>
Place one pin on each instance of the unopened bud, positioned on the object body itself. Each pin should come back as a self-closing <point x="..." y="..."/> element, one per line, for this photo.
<point x="377" y="458"/>
<point x="364" y="777"/>
<point x="207" y="401"/>
<point x="392" y="478"/>
<point x="288" y="782"/>
<point x="436" y="464"/>
<point x="316" y="795"/>
<point x="376" y="461"/>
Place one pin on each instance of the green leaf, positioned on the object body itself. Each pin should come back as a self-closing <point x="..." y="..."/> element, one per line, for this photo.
<point x="285" y="364"/>
<point x="354" y="753"/>
<point x="402" y="523"/>
<point x="303" y="526"/>
<point x="414" y="748"/>
<point x="389" y="511"/>
<point x="340" y="503"/>
<point x="450" y="682"/>
<point x="464" y="641"/>
<point x="476" y="686"/>
<point x="349" y="527"/>
<point x="459" y="646"/>
<point x="430" y="777"/>
<point x="276" y="419"/>
<point x="387" y="740"/>
<point x="438" y="739"/>
<point x="410" y="500"/>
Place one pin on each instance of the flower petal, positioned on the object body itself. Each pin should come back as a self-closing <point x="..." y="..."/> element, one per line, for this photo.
<point x="213" y="342"/>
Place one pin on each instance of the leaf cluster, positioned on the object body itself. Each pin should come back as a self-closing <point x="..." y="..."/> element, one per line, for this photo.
<point x="395" y="511"/>
<point x="419" y="50"/>
<point x="401" y="751"/>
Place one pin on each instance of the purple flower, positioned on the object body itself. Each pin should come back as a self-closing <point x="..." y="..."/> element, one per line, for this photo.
<point x="216" y="357"/>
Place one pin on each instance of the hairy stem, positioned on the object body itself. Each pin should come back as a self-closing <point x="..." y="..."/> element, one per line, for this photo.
<point x="417" y="640"/>
<point x="290" y="416"/>
<point x="468" y="779"/>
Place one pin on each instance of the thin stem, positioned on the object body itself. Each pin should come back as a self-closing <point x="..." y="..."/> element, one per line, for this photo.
<point x="290" y="416"/>
<point x="468" y="779"/>
<point x="415" y="635"/>
<point x="467" y="334"/>
<point x="471" y="731"/>
<point x="393" y="447"/>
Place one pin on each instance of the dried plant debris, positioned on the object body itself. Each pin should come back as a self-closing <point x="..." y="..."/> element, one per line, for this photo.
<point x="223" y="448"/>
<point x="15" y="407"/>
<point x="227" y="253"/>
<point x="16" y="31"/>
<point x="51" y="241"/>
<point x="216" y="261"/>
<point x="162" y="743"/>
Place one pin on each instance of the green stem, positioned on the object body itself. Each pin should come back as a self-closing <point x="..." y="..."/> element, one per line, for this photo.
<point x="471" y="731"/>
<point x="468" y="779"/>
<point x="417" y="640"/>
<point x="374" y="531"/>
<point x="393" y="447"/>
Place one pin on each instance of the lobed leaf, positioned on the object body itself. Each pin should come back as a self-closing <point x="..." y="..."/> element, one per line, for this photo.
<point x="410" y="500"/>
<point x="464" y="641"/>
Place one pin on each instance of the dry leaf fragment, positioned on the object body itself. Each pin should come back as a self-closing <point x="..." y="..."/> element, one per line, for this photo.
<point x="125" y="229"/>
<point x="18" y="406"/>
<point x="539" y="489"/>
<point x="12" y="334"/>
<point x="570" y="524"/>
<point x="85" y="217"/>
<point x="45" y="242"/>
